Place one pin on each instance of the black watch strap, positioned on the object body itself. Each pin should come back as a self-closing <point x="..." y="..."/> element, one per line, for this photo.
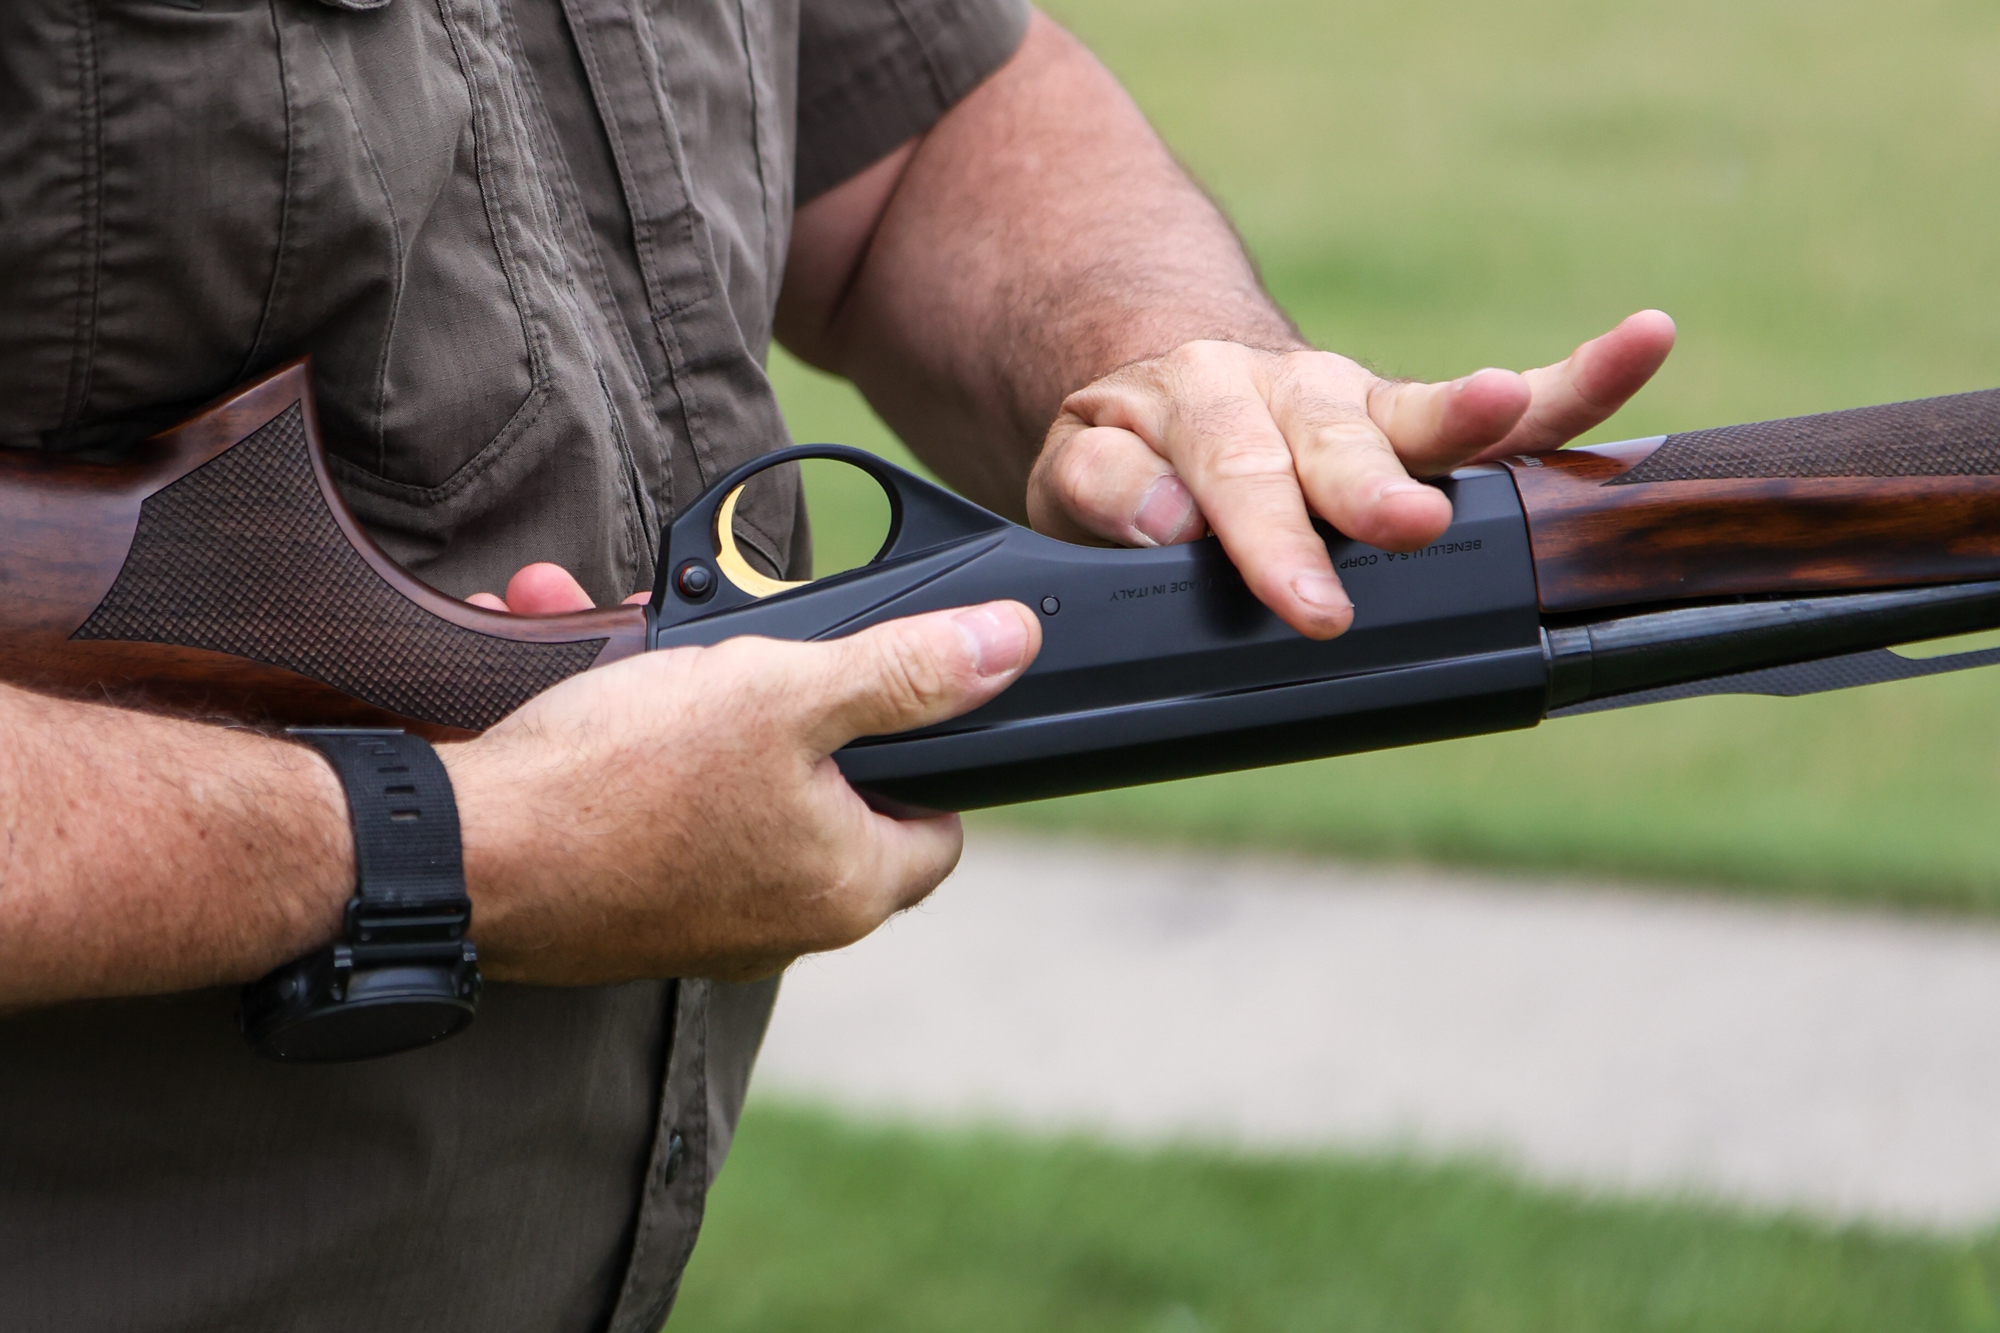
<point x="408" y="863"/>
<point x="405" y="975"/>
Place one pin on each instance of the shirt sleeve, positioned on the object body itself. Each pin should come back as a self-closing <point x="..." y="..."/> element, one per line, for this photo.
<point x="873" y="73"/>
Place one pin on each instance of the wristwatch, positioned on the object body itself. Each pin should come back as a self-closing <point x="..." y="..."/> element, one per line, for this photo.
<point x="404" y="975"/>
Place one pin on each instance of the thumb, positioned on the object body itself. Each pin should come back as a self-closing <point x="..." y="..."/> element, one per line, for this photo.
<point x="916" y="671"/>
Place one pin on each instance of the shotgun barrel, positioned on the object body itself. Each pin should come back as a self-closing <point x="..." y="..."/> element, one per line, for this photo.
<point x="217" y="572"/>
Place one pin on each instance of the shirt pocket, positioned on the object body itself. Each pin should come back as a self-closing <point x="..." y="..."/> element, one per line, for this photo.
<point x="415" y="261"/>
<point x="190" y="196"/>
<point x="142" y="200"/>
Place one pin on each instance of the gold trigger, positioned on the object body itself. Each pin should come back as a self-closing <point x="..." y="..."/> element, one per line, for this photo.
<point x="731" y="561"/>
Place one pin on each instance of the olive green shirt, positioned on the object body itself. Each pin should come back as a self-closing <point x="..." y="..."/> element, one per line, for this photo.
<point x="533" y="247"/>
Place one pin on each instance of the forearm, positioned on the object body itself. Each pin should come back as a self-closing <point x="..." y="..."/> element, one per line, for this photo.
<point x="1037" y="237"/>
<point x="145" y="854"/>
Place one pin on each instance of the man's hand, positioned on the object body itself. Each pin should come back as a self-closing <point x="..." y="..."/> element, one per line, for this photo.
<point x="678" y="814"/>
<point x="1252" y="444"/>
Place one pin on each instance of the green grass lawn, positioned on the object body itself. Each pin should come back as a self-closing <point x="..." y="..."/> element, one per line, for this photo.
<point x="819" y="1227"/>
<point x="1809" y="189"/>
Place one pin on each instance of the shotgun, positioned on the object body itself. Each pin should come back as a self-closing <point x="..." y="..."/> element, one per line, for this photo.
<point x="216" y="571"/>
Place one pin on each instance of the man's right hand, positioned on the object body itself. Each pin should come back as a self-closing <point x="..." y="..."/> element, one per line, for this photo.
<point x="678" y="813"/>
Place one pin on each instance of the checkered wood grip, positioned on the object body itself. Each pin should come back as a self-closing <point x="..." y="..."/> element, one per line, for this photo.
<point x="1958" y="436"/>
<point x="243" y="556"/>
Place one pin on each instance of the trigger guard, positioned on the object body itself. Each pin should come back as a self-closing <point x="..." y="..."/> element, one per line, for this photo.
<point x="922" y="516"/>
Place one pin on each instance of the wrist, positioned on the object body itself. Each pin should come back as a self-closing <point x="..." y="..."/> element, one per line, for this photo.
<point x="323" y="842"/>
<point x="495" y="820"/>
<point x="1248" y="318"/>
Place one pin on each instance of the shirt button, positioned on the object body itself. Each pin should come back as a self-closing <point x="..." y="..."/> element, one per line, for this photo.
<point x="676" y="1153"/>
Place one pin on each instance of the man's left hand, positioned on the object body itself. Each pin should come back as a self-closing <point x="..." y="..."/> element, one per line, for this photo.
<point x="1253" y="444"/>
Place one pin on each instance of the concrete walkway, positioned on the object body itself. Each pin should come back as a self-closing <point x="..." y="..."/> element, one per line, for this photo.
<point x="1845" y="1064"/>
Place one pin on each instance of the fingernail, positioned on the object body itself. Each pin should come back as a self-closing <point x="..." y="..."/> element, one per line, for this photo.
<point x="998" y="639"/>
<point x="1400" y="488"/>
<point x="1322" y="592"/>
<point x="1165" y="511"/>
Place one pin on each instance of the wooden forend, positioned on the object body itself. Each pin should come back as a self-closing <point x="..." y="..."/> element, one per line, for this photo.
<point x="1903" y="494"/>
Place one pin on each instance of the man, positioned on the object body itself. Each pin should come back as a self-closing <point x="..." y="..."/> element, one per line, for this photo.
<point x="535" y="248"/>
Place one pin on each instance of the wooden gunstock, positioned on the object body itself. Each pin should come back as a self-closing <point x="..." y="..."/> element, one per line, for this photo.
<point x="1907" y="493"/>
<point x="218" y="572"/>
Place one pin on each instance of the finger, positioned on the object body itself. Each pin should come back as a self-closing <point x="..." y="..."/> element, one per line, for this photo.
<point x="1101" y="483"/>
<point x="487" y="600"/>
<point x="909" y="673"/>
<point x="913" y="856"/>
<point x="1436" y="427"/>
<point x="1593" y="382"/>
<point x="543" y="589"/>
<point x="1358" y="440"/>
<point x="1352" y="477"/>
<point x="1204" y="409"/>
<point x="1244" y="478"/>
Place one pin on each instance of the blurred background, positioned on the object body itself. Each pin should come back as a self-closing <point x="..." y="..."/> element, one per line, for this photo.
<point x="1811" y="191"/>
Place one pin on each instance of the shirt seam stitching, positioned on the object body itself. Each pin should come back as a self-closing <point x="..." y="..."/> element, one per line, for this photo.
<point x="269" y="312"/>
<point x="83" y="353"/>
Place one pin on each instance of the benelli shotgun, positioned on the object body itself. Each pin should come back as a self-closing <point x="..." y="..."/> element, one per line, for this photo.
<point x="217" y="570"/>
